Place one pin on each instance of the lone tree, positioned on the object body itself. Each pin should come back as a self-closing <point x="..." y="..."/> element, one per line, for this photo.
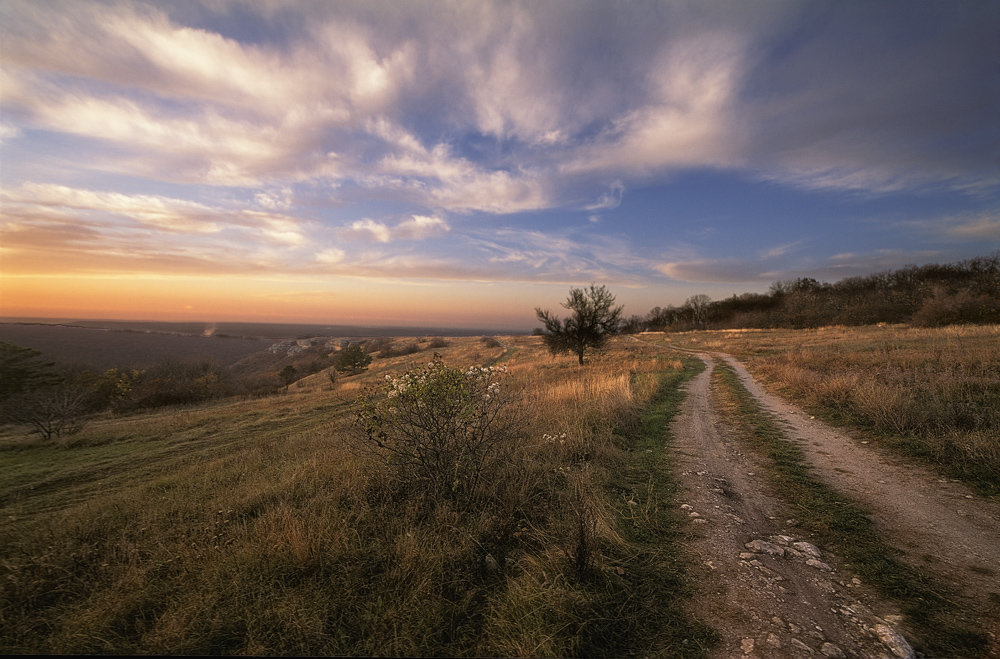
<point x="288" y="375"/>
<point x="594" y="319"/>
<point x="353" y="359"/>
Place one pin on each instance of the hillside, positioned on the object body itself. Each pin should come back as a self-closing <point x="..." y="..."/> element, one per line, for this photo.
<point x="636" y="511"/>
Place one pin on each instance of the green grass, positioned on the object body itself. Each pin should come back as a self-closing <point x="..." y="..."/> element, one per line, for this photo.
<point x="643" y="592"/>
<point x="839" y="522"/>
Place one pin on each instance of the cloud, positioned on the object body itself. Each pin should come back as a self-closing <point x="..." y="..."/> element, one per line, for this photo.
<point x="330" y="256"/>
<point x="419" y="227"/>
<point x="715" y="270"/>
<point x="165" y="214"/>
<point x="504" y="108"/>
<point x="832" y="268"/>
<point x="610" y="199"/>
<point x="441" y="180"/>
<point x="416" y="227"/>
<point x="368" y="229"/>
<point x="130" y="230"/>
<point x="983" y="227"/>
<point x="893" y="111"/>
<point x="779" y="250"/>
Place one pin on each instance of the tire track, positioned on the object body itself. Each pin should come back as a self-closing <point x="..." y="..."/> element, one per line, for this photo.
<point x="767" y="591"/>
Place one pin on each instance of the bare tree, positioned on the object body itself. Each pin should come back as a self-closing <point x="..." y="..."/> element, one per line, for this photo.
<point x="594" y="319"/>
<point x="51" y="411"/>
<point x="697" y="305"/>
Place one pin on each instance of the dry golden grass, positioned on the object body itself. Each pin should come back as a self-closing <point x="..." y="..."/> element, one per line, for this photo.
<point x="933" y="393"/>
<point x="248" y="527"/>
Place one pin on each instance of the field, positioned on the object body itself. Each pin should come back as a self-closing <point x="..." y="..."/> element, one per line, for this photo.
<point x="257" y="526"/>
<point x="250" y="527"/>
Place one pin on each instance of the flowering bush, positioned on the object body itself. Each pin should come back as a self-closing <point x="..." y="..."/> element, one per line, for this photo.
<point x="444" y="429"/>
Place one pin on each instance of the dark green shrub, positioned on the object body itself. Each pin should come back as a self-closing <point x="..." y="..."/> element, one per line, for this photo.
<point x="353" y="360"/>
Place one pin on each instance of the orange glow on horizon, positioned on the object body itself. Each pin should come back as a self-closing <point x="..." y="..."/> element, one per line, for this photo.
<point x="241" y="298"/>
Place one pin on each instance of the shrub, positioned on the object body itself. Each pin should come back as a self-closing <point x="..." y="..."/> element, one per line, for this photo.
<point x="353" y="360"/>
<point x="965" y="306"/>
<point x="51" y="411"/>
<point x="288" y="375"/>
<point x="444" y="431"/>
<point x="411" y="348"/>
<point x="173" y="382"/>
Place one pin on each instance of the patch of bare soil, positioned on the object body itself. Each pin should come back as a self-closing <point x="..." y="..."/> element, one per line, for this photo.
<point x="941" y="526"/>
<point x="763" y="586"/>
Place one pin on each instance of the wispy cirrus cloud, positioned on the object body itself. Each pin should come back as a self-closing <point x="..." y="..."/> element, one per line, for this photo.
<point x="127" y="230"/>
<point x="984" y="226"/>
<point x="181" y="101"/>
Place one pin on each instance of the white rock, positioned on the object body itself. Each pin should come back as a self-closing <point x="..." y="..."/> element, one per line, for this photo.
<point x="808" y="548"/>
<point x="819" y="565"/>
<point x="894" y="641"/>
<point x="831" y="650"/>
<point x="763" y="547"/>
<point x="802" y="647"/>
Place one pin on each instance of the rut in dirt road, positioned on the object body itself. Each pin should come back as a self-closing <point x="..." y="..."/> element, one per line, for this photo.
<point x="942" y="528"/>
<point x="764" y="587"/>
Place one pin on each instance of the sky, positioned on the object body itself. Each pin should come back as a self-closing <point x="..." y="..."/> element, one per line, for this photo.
<point x="461" y="163"/>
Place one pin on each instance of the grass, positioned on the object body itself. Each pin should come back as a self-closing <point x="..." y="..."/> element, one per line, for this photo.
<point x="838" y="521"/>
<point x="248" y="527"/>
<point x="631" y="589"/>
<point x="931" y="394"/>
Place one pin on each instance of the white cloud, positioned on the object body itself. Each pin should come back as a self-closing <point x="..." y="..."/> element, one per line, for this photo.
<point x="160" y="218"/>
<point x="419" y="227"/>
<point x="416" y="227"/>
<point x="610" y="199"/>
<point x="330" y="256"/>
<point x="779" y="250"/>
<point x="274" y="199"/>
<point x="369" y="229"/>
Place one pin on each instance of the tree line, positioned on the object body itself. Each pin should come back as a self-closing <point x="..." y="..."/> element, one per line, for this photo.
<point x="926" y="296"/>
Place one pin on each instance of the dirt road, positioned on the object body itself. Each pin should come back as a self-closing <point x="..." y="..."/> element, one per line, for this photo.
<point x="766" y="588"/>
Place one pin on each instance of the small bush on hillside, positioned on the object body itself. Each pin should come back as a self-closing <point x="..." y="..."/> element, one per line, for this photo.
<point x="353" y="359"/>
<point x="411" y="348"/>
<point x="445" y="432"/>
<point x="437" y="342"/>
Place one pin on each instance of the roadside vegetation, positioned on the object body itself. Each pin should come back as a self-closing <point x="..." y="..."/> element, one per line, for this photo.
<point x="938" y="627"/>
<point x="254" y="526"/>
<point x="929" y="393"/>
